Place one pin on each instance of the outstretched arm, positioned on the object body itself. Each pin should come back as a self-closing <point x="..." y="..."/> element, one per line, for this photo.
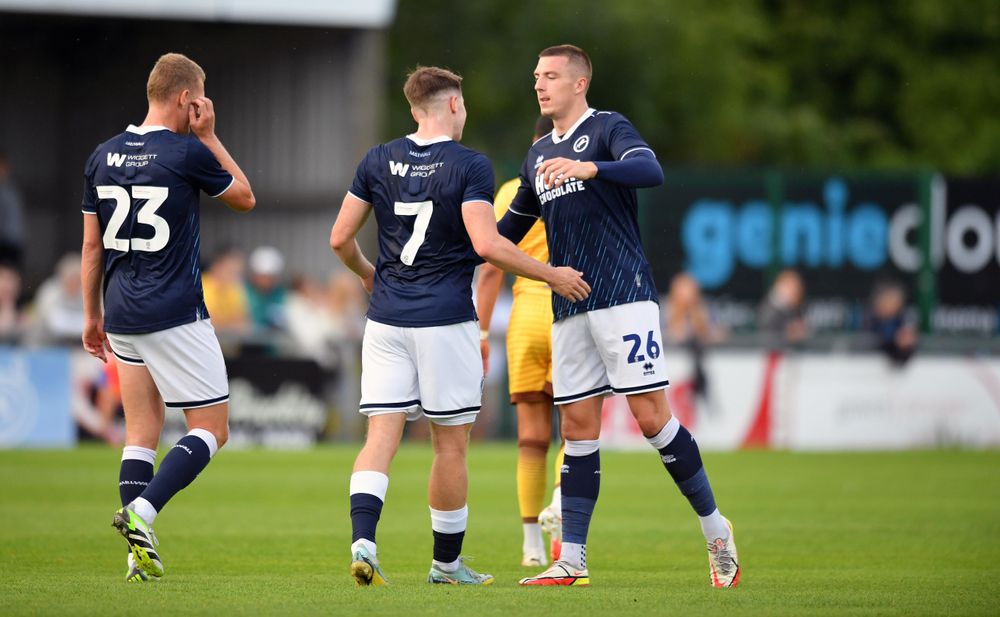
<point x="639" y="170"/>
<point x="481" y="226"/>
<point x="343" y="239"/>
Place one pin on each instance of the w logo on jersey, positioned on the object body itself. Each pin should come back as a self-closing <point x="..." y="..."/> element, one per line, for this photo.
<point x="115" y="159"/>
<point x="396" y="169"/>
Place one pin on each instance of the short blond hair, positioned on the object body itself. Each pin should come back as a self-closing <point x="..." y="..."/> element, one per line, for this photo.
<point x="171" y="74"/>
<point x="426" y="82"/>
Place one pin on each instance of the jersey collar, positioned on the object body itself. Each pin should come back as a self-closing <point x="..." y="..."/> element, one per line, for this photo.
<point x="556" y="139"/>
<point x="427" y="142"/>
<point x="142" y="130"/>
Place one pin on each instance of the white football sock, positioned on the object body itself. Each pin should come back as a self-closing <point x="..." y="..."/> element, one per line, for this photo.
<point x="368" y="545"/>
<point x="145" y="510"/>
<point x="447" y="567"/>
<point x="714" y="526"/>
<point x="574" y="554"/>
<point x="533" y="541"/>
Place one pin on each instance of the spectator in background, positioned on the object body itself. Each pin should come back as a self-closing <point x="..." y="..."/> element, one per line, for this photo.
<point x="346" y="302"/>
<point x="689" y="326"/>
<point x="896" y="334"/>
<point x="321" y="320"/>
<point x="265" y="294"/>
<point x="11" y="318"/>
<point x="309" y="322"/>
<point x="781" y="316"/>
<point x="12" y="228"/>
<point x="225" y="294"/>
<point x="58" y="311"/>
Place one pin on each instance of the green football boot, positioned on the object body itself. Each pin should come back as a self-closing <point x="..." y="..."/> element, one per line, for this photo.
<point x="141" y="540"/>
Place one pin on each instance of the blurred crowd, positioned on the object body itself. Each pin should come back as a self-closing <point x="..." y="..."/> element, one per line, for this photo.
<point x="254" y="307"/>
<point x="258" y="308"/>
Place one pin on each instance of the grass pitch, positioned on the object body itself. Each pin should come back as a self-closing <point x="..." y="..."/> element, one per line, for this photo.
<point x="268" y="533"/>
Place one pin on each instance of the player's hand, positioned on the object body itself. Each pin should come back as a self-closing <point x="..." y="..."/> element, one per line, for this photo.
<point x="556" y="171"/>
<point x="201" y="115"/>
<point x="484" y="348"/>
<point x="95" y="342"/>
<point x="569" y="284"/>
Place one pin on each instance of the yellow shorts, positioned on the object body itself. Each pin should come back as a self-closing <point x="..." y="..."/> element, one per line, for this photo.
<point x="529" y="347"/>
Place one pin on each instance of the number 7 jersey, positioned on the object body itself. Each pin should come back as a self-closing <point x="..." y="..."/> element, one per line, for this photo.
<point x="143" y="185"/>
<point x="416" y="187"/>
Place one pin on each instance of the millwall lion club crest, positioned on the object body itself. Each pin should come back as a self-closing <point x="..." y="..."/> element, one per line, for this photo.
<point x="581" y="143"/>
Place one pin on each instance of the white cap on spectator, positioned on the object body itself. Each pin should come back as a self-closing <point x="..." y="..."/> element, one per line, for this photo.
<point x="266" y="260"/>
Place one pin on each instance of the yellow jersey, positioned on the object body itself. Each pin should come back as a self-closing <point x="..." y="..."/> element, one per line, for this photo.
<point x="533" y="243"/>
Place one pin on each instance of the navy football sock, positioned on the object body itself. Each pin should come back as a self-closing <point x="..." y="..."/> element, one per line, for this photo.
<point x="448" y="527"/>
<point x="682" y="459"/>
<point x="447" y="546"/>
<point x="365" y="512"/>
<point x="368" y="489"/>
<point x="180" y="467"/>
<point x="135" y="473"/>
<point x="581" y="483"/>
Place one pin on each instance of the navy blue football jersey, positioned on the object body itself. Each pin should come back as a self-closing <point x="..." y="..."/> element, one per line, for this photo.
<point x="423" y="276"/>
<point x="144" y="185"/>
<point x="591" y="225"/>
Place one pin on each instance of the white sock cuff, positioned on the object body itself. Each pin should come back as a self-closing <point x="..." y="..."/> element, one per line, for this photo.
<point x="582" y="447"/>
<point x="138" y="453"/>
<point x="370" y="482"/>
<point x="208" y="438"/>
<point x="666" y="434"/>
<point x="450" y="521"/>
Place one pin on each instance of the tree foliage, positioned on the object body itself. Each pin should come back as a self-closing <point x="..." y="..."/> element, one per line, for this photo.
<point x="803" y="83"/>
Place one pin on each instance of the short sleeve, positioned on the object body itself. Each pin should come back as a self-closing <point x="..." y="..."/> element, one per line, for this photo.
<point x="504" y="196"/>
<point x="204" y="170"/>
<point x="89" y="203"/>
<point x="479" y="184"/>
<point x="359" y="186"/>
<point x="622" y="138"/>
<point x="525" y="202"/>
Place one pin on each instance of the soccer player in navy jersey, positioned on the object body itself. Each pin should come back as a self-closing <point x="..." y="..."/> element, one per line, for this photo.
<point x="581" y="180"/>
<point x="433" y="202"/>
<point x="140" y="255"/>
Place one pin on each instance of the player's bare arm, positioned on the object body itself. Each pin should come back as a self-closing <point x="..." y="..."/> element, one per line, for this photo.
<point x="481" y="225"/>
<point x="201" y="115"/>
<point x="487" y="289"/>
<point x="343" y="239"/>
<point x="91" y="275"/>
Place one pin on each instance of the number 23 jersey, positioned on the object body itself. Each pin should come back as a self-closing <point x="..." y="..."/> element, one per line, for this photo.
<point x="426" y="262"/>
<point x="143" y="185"/>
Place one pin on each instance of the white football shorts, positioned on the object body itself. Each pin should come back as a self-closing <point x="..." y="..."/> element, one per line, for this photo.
<point x="185" y="362"/>
<point x="435" y="371"/>
<point x="617" y="350"/>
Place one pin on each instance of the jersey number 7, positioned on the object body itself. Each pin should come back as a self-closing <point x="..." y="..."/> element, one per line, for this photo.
<point x="154" y="196"/>
<point x="423" y="210"/>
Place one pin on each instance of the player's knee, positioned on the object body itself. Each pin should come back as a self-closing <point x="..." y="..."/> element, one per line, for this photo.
<point x="579" y="428"/>
<point x="533" y="446"/>
<point x="221" y="434"/>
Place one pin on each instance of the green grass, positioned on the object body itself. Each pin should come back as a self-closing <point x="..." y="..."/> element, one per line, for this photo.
<point x="268" y="533"/>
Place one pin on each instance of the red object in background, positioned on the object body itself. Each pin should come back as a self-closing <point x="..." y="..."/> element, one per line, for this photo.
<point x="759" y="434"/>
<point x="683" y="403"/>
